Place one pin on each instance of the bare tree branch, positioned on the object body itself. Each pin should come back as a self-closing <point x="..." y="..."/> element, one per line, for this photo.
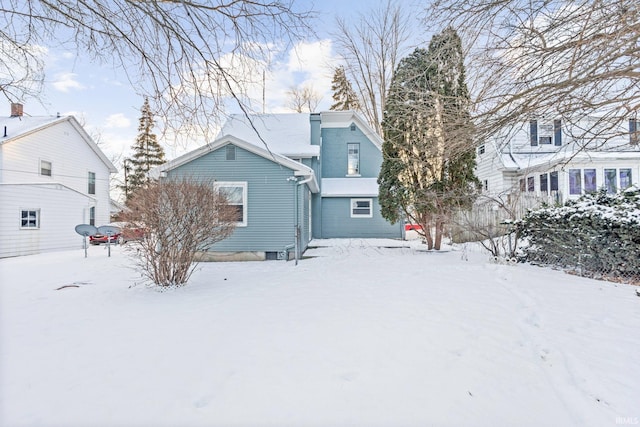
<point x="189" y="57"/>
<point x="563" y="59"/>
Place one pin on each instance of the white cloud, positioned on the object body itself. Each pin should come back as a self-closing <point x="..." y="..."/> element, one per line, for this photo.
<point x="117" y="121"/>
<point x="309" y="64"/>
<point x="64" y="82"/>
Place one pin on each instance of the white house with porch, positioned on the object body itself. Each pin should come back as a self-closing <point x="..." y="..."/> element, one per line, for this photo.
<point x="549" y="160"/>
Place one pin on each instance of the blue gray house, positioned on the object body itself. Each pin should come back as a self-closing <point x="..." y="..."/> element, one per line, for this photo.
<point x="294" y="177"/>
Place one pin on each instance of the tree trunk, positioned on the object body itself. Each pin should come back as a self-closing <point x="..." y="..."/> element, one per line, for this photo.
<point x="438" y="239"/>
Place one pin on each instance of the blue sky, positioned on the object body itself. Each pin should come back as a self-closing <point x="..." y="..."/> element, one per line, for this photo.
<point x="102" y="99"/>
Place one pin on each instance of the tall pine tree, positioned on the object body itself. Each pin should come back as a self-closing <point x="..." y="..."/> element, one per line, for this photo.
<point x="428" y="152"/>
<point x="344" y="97"/>
<point x="147" y="153"/>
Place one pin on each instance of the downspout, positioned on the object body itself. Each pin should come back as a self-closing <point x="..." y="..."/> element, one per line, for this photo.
<point x="296" y="233"/>
<point x="298" y="236"/>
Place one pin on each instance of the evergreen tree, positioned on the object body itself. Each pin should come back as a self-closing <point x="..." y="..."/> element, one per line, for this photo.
<point x="344" y="96"/>
<point x="428" y="152"/>
<point x="147" y="153"/>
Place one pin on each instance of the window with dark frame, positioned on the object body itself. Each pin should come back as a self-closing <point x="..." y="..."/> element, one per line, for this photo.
<point x="92" y="215"/>
<point x="30" y="218"/>
<point x="531" y="186"/>
<point x="553" y="181"/>
<point x="544" y="183"/>
<point x="634" y="131"/>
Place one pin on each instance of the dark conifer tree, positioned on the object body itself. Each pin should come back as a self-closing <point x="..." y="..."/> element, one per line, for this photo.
<point x="147" y="153"/>
<point x="344" y="97"/>
<point x="428" y="152"/>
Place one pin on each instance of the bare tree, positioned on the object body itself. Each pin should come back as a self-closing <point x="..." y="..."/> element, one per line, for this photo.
<point x="179" y="218"/>
<point x="371" y="48"/>
<point x="188" y="57"/>
<point x="565" y="59"/>
<point x="303" y="99"/>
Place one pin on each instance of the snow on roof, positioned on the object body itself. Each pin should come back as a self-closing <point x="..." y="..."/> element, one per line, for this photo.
<point x="286" y="134"/>
<point x="349" y="187"/>
<point x="16" y="126"/>
<point x="569" y="153"/>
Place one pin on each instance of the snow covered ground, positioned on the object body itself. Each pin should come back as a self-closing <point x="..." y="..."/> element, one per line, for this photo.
<point x="362" y="333"/>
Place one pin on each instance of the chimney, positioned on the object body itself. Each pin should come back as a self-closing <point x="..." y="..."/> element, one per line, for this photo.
<point x="16" y="109"/>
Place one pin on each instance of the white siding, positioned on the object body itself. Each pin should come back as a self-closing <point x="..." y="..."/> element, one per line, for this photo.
<point x="61" y="209"/>
<point x="63" y="197"/>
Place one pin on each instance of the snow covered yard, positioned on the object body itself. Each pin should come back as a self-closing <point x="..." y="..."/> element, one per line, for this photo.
<point x="362" y="333"/>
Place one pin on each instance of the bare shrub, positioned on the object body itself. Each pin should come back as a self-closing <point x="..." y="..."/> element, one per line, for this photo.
<point x="180" y="218"/>
<point x="490" y="221"/>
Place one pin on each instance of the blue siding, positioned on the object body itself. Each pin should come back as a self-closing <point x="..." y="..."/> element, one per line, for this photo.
<point x="270" y="198"/>
<point x="334" y="153"/>
<point x="337" y="221"/>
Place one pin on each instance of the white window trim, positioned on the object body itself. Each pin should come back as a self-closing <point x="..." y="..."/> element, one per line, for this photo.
<point x="369" y="215"/>
<point x="37" y="211"/>
<point x="245" y="208"/>
<point x="95" y="182"/>
<point x="357" y="174"/>
<point x="50" y="168"/>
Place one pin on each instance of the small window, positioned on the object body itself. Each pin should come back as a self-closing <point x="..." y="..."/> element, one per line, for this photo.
<point x="545" y="140"/>
<point x="533" y="132"/>
<point x="485" y="185"/>
<point x="544" y="183"/>
<point x="481" y="149"/>
<point x="236" y="193"/>
<point x="92" y="183"/>
<point x="361" y="208"/>
<point x="590" y="183"/>
<point x="553" y="181"/>
<point x="231" y="152"/>
<point x="634" y="131"/>
<point x="625" y="178"/>
<point x="575" y="182"/>
<point x="353" y="127"/>
<point x="531" y="186"/>
<point x="45" y="168"/>
<point x="353" y="159"/>
<point x="30" y="218"/>
<point x="523" y="185"/>
<point x="610" y="180"/>
<point x="557" y="132"/>
<point x="92" y="216"/>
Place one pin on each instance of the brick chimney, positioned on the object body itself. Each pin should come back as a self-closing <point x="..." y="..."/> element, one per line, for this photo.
<point x="16" y="109"/>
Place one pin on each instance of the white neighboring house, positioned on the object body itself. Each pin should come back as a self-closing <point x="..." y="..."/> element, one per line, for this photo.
<point x="546" y="160"/>
<point x="53" y="177"/>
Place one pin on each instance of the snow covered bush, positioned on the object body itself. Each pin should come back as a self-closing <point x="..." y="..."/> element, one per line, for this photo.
<point x="179" y="219"/>
<point x="598" y="234"/>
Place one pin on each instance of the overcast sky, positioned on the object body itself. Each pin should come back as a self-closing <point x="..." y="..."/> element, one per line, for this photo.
<point x="102" y="99"/>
